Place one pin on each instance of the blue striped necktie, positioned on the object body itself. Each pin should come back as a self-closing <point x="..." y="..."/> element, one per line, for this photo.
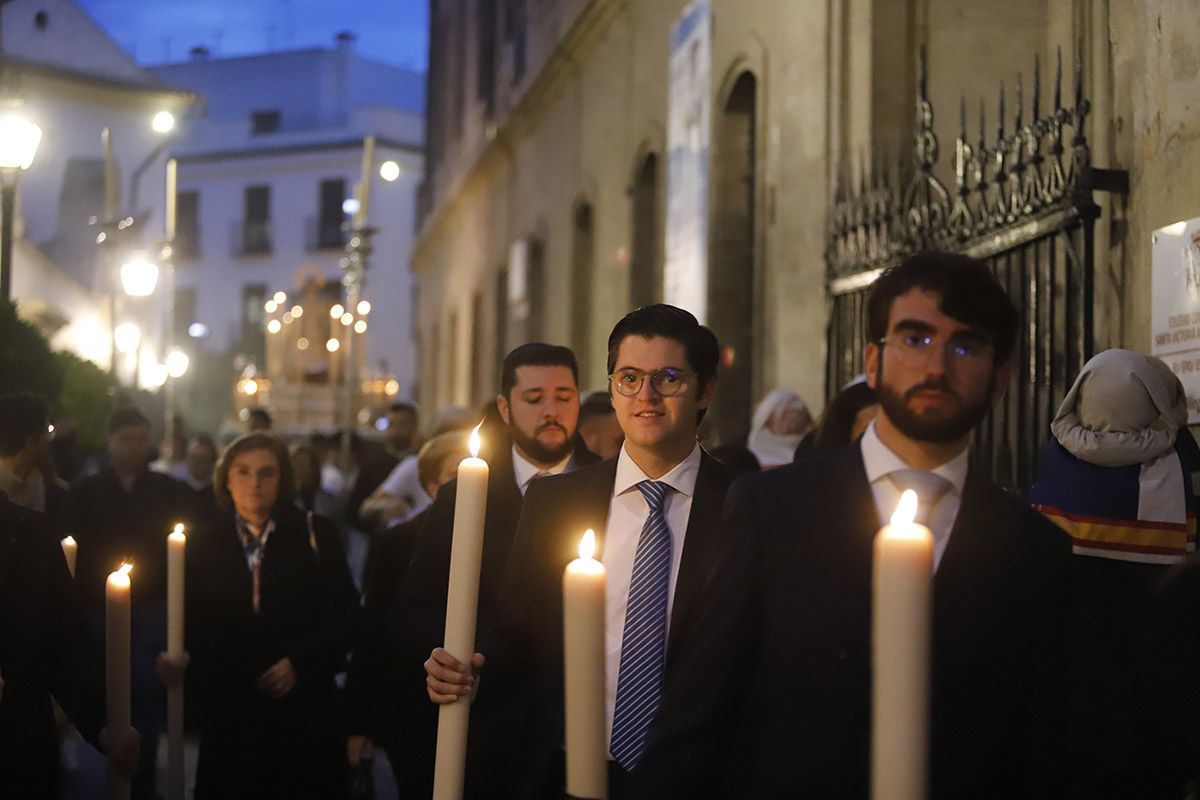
<point x="644" y="641"/>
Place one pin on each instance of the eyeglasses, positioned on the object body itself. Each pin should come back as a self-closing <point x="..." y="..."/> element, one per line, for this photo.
<point x="915" y="349"/>
<point x="667" y="381"/>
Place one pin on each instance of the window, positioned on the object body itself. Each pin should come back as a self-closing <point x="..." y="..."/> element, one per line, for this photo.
<point x="187" y="226"/>
<point x="485" y="78"/>
<point x="265" y="121"/>
<point x="330" y="215"/>
<point x="514" y="27"/>
<point x="256" y="229"/>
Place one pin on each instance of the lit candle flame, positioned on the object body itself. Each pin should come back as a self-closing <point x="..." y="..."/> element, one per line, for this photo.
<point x="474" y="443"/>
<point x="587" y="545"/>
<point x="906" y="509"/>
<point x="126" y="568"/>
<point x="178" y="529"/>
<point x="69" y="539"/>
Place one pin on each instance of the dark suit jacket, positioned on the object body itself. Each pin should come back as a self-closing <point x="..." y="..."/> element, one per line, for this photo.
<point x="45" y="649"/>
<point x="520" y="699"/>
<point x="419" y="616"/>
<point x="772" y="696"/>
<point x="250" y="742"/>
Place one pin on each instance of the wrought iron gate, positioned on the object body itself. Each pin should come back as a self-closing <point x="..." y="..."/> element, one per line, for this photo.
<point x="1023" y="205"/>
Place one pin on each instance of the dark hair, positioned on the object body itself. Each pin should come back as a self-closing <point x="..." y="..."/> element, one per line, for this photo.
<point x="204" y="440"/>
<point x="261" y="415"/>
<point x="535" y="354"/>
<point x="699" y="343"/>
<point x="596" y="404"/>
<point x="258" y="440"/>
<point x="402" y="405"/>
<point x="736" y="455"/>
<point x="970" y="294"/>
<point x="837" y="421"/>
<point x="127" y="417"/>
<point x="23" y="416"/>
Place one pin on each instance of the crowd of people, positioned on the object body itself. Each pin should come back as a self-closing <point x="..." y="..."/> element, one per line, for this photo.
<point x="737" y="606"/>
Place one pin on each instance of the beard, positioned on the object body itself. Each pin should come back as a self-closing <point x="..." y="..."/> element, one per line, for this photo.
<point x="539" y="451"/>
<point x="931" y="427"/>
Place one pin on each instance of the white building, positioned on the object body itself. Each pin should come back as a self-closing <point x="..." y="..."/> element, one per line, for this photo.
<point x="263" y="174"/>
<point x="75" y="81"/>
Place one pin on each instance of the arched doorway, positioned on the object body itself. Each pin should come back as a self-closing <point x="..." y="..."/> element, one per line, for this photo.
<point x="731" y="272"/>
<point x="645" y="262"/>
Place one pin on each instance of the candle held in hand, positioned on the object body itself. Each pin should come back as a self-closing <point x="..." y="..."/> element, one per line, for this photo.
<point x="900" y="637"/>
<point x="466" y="550"/>
<point x="583" y="673"/>
<point x="117" y="645"/>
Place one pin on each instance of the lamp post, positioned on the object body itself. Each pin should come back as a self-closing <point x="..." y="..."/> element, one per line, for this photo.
<point x="358" y="250"/>
<point x="19" y="139"/>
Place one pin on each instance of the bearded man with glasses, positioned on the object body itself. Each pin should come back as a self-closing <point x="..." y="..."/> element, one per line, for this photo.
<point x="656" y="511"/>
<point x="771" y="696"/>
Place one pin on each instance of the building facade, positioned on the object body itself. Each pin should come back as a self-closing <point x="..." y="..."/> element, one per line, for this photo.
<point x="545" y="208"/>
<point x="73" y="81"/>
<point x="263" y="177"/>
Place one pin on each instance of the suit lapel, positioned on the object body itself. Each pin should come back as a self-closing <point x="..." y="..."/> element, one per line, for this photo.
<point x="703" y="527"/>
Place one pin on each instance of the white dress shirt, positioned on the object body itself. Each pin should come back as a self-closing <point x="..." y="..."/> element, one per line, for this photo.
<point x="880" y="460"/>
<point x="627" y="512"/>
<point x="525" y="470"/>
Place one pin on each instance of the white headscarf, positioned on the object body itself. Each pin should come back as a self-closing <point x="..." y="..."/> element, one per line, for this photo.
<point x="1124" y="408"/>
<point x="770" y="448"/>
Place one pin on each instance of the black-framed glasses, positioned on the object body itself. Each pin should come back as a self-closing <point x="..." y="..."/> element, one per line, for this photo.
<point x="667" y="381"/>
<point x="916" y="348"/>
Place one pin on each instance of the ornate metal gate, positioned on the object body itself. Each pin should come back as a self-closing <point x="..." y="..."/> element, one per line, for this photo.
<point x="1023" y="205"/>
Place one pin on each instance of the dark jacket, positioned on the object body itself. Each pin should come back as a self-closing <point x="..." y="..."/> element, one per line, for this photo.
<point x="253" y="745"/>
<point x="44" y="650"/>
<point x="517" y="719"/>
<point x="771" y="697"/>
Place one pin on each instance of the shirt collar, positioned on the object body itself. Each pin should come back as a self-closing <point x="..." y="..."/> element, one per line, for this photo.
<point x="681" y="477"/>
<point x="248" y="535"/>
<point x="880" y="460"/>
<point x="524" y="470"/>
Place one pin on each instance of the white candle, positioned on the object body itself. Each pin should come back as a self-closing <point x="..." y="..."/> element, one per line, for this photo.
<point x="176" y="550"/>
<point x="117" y="645"/>
<point x="900" y="634"/>
<point x="70" y="550"/>
<point x="466" y="549"/>
<point x="583" y="673"/>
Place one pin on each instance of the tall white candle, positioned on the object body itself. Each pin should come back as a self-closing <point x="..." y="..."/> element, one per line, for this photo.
<point x="901" y="634"/>
<point x="117" y="643"/>
<point x="176" y="551"/>
<point x="70" y="550"/>
<point x="583" y="673"/>
<point x="466" y="550"/>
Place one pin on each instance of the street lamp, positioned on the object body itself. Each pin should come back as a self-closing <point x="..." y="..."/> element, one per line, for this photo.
<point x="19" y="139"/>
<point x="139" y="276"/>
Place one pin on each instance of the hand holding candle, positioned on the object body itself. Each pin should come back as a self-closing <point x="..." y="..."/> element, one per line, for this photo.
<point x="900" y="637"/>
<point x="583" y="672"/>
<point x="466" y="550"/>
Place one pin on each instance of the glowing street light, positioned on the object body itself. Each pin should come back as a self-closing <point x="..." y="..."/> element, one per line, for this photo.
<point x="163" y="122"/>
<point x="127" y="336"/>
<point x="139" y="277"/>
<point x="389" y="171"/>
<point x="177" y="363"/>
<point x="19" y="140"/>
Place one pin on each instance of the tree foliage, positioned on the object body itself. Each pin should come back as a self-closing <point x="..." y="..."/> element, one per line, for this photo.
<point x="26" y="362"/>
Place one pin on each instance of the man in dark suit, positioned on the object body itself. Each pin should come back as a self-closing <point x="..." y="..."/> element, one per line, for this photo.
<point x="656" y="510"/>
<point x="45" y="649"/>
<point x="772" y="694"/>
<point x="539" y="406"/>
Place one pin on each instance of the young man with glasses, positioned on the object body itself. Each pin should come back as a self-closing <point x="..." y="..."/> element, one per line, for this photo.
<point x="772" y="695"/>
<point x="656" y="510"/>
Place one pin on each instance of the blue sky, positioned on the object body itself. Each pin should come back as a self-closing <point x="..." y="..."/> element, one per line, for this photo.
<point x="158" y="31"/>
